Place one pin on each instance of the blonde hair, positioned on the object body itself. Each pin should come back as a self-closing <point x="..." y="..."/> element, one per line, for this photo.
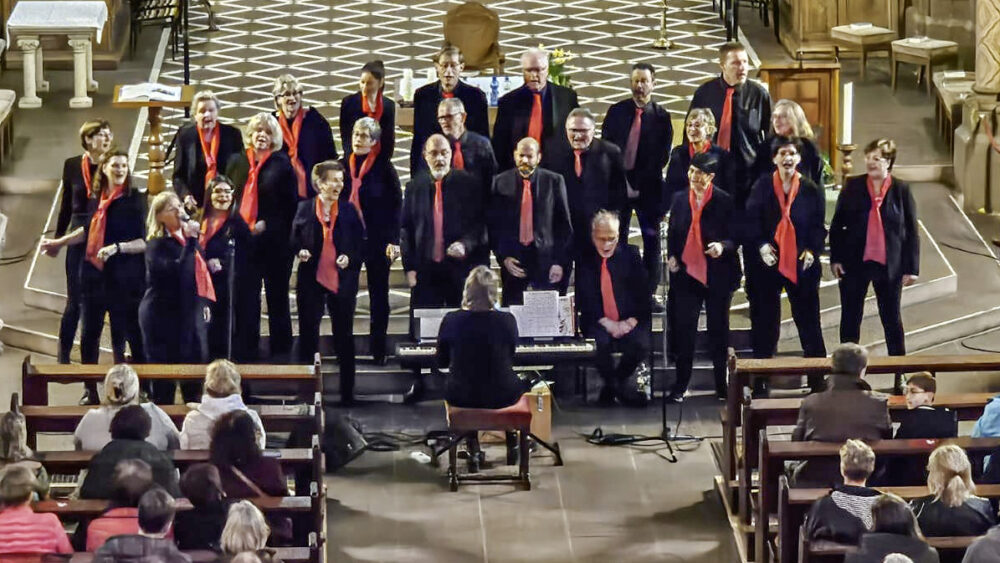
<point x="705" y="114"/>
<point x="857" y="460"/>
<point x="285" y="83"/>
<point x="154" y="229"/>
<point x="800" y="125"/>
<point x="245" y="529"/>
<point x="480" y="292"/>
<point x="222" y="379"/>
<point x="121" y="385"/>
<point x="266" y="120"/>
<point x="205" y="96"/>
<point x="949" y="475"/>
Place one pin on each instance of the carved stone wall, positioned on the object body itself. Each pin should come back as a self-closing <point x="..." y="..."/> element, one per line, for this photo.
<point x="988" y="47"/>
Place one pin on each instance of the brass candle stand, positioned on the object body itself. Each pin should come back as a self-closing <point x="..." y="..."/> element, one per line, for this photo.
<point x="662" y="42"/>
<point x="846" y="161"/>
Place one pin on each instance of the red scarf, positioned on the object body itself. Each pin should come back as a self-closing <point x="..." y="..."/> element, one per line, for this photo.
<point x="210" y="227"/>
<point x="210" y="152"/>
<point x="248" y="205"/>
<point x="784" y="235"/>
<point x="85" y="171"/>
<point x="691" y="153"/>
<point x="98" y="224"/>
<point x="291" y="135"/>
<point x="376" y="114"/>
<point x="327" y="273"/>
<point x="875" y="237"/>
<point x="366" y="166"/>
<point x="202" y="279"/>
<point x="694" y="248"/>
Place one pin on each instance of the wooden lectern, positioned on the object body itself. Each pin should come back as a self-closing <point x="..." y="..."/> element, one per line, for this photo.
<point x="155" y="183"/>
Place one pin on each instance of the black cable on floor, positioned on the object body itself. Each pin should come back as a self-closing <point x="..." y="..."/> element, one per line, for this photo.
<point x="967" y="251"/>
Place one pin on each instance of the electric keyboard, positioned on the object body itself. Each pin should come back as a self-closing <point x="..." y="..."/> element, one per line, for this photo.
<point x="412" y="355"/>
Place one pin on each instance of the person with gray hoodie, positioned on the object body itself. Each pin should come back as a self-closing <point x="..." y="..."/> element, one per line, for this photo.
<point x="222" y="395"/>
<point x="986" y="549"/>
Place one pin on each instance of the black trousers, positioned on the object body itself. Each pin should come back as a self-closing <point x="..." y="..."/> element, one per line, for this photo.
<point x="123" y="313"/>
<point x="634" y="348"/>
<point x="888" y="293"/>
<point x="377" y="270"/>
<point x="312" y="299"/>
<point x="649" y="226"/>
<point x="71" y="313"/>
<point x="438" y="285"/>
<point x="687" y="296"/>
<point x="537" y="279"/>
<point x="270" y="268"/>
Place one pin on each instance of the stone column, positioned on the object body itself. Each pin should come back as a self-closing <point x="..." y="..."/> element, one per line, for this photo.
<point x="40" y="82"/>
<point x="30" y="99"/>
<point x="80" y="98"/>
<point x="91" y="83"/>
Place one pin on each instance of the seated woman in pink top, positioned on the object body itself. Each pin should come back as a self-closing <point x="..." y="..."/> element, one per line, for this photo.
<point x="23" y="530"/>
<point x="133" y="477"/>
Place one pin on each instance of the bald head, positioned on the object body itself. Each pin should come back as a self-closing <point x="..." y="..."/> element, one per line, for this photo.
<point x="437" y="154"/>
<point x="527" y="156"/>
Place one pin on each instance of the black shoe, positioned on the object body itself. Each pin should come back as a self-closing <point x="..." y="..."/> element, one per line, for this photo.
<point x="607" y="396"/>
<point x="475" y="461"/>
<point x="675" y="397"/>
<point x="89" y="398"/>
<point x="415" y="394"/>
<point x="380" y="360"/>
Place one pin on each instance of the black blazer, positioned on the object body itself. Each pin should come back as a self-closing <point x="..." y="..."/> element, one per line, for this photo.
<point x="464" y="219"/>
<point x="189" y="165"/>
<point x="514" y="115"/>
<point x="172" y="314"/>
<point x="808" y="217"/>
<point x="315" y="142"/>
<point x="348" y="235"/>
<point x="724" y="272"/>
<point x="277" y="194"/>
<point x="971" y="518"/>
<point x="628" y="279"/>
<point x="655" y="135"/>
<point x="751" y="121"/>
<point x="350" y="111"/>
<point x="477" y="155"/>
<point x="478" y="346"/>
<point x="73" y="208"/>
<point x="849" y="228"/>
<point x="677" y="172"/>
<point x="123" y="274"/>
<point x="381" y="199"/>
<point x="550" y="217"/>
<point x="875" y="546"/>
<point x="811" y="165"/>
<point x="602" y="185"/>
<point x="425" y="106"/>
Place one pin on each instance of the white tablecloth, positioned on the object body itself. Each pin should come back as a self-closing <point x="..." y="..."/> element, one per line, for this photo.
<point x="30" y="15"/>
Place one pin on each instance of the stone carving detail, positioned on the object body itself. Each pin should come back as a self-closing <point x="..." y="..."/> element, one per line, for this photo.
<point x="987" y="47"/>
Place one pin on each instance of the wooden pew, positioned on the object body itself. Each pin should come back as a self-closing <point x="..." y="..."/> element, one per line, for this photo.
<point x="773" y="455"/>
<point x="794" y="504"/>
<point x="830" y="552"/>
<point x="93" y="507"/>
<point x="36" y="377"/>
<point x="310" y="554"/>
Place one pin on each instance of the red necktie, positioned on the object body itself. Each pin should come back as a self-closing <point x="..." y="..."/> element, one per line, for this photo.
<point x="438" y="222"/>
<point x="355" y="197"/>
<point x="202" y="279"/>
<point x="875" y="237"/>
<point x="98" y="224"/>
<point x="726" y="123"/>
<point x="577" y="164"/>
<point x="291" y="135"/>
<point x="694" y="248"/>
<point x="526" y="234"/>
<point x="784" y="235"/>
<point x="248" y="204"/>
<point x="608" y="292"/>
<point x="457" y="160"/>
<point x="210" y="151"/>
<point x="535" y="124"/>
<point x="326" y="270"/>
<point x="447" y="95"/>
<point x="632" y="146"/>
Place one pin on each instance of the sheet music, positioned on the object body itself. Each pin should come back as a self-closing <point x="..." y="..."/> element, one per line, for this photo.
<point x="539" y="316"/>
<point x="567" y="320"/>
<point x="430" y="322"/>
<point x="149" y="90"/>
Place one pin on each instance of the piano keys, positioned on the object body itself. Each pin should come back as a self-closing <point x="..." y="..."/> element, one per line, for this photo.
<point x="416" y="356"/>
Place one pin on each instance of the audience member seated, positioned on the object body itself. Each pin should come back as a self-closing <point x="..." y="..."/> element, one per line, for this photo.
<point x="201" y="527"/>
<point x="922" y="419"/>
<point x="952" y="509"/>
<point x="129" y="430"/>
<point x="156" y="514"/>
<point x="121" y="388"/>
<point x="14" y="450"/>
<point x="222" y="395"/>
<point x="986" y="549"/>
<point x="846" y="410"/>
<point x="846" y="513"/>
<point x="246" y="530"/>
<point x="38" y="533"/>
<point x="132" y="479"/>
<point x="988" y="425"/>
<point x="894" y="530"/>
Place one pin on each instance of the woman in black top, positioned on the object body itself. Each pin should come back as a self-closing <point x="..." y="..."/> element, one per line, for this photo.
<point x="369" y="102"/>
<point x="952" y="509"/>
<point x="789" y="120"/>
<point x="894" y="530"/>
<point x="178" y="285"/>
<point x="327" y="235"/>
<point x="77" y="177"/>
<point x="266" y="186"/>
<point x="477" y="343"/>
<point x="203" y="150"/>
<point x="308" y="138"/>
<point x="699" y="126"/>
<point x="379" y="200"/>
<point x="225" y="239"/>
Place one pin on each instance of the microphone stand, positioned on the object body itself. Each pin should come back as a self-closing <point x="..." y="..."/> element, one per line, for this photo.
<point x="230" y="283"/>
<point x="664" y="282"/>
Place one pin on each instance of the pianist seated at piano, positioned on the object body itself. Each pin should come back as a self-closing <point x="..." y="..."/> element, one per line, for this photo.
<point x="613" y="311"/>
<point x="121" y="388"/>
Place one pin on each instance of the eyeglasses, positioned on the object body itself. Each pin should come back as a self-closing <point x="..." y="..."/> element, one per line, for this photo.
<point x="788" y="152"/>
<point x="290" y="95"/>
<point x="449" y="116"/>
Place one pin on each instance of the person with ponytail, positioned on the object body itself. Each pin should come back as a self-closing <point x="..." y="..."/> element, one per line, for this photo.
<point x="328" y="237"/>
<point x="121" y="388"/>
<point x="369" y="102"/>
<point x="174" y="311"/>
<point x="266" y="188"/>
<point x="952" y="507"/>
